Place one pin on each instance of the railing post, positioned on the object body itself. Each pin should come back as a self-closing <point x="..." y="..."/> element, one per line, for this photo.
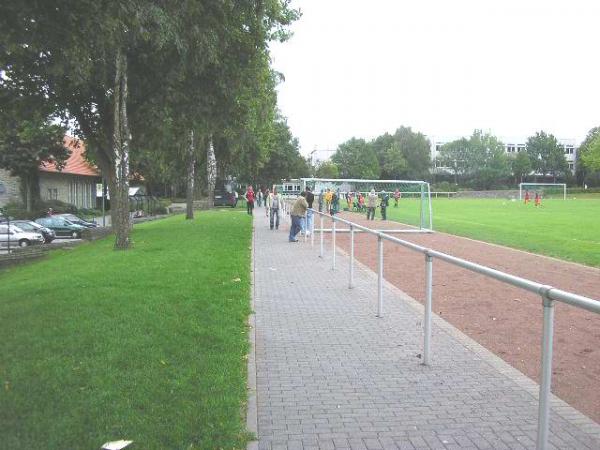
<point x="333" y="243"/>
<point x="351" y="279"/>
<point x="546" y="375"/>
<point x="321" y="251"/>
<point x="427" y="324"/>
<point x="380" y="276"/>
<point x="312" y="229"/>
<point x="305" y="225"/>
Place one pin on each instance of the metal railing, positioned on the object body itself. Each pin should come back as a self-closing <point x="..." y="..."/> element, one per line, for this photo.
<point x="548" y="294"/>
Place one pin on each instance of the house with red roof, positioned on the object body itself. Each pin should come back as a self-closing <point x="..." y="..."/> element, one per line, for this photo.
<point x="74" y="184"/>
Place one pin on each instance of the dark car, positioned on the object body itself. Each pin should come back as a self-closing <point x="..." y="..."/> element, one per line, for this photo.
<point x="77" y="220"/>
<point x="61" y="226"/>
<point x="224" y="198"/>
<point x="28" y="225"/>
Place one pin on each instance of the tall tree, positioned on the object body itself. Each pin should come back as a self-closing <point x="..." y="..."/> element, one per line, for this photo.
<point x="456" y="155"/>
<point x="521" y="166"/>
<point x="415" y="149"/>
<point x="546" y="154"/>
<point x="26" y="143"/>
<point x="585" y="174"/>
<point x="356" y="158"/>
<point x="591" y="156"/>
<point x="327" y="169"/>
<point x="83" y="55"/>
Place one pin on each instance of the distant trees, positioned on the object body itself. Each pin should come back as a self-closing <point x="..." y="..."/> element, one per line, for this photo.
<point x="547" y="155"/>
<point x="479" y="161"/>
<point x="327" y="169"/>
<point x="590" y="150"/>
<point x="521" y="166"/>
<point x="402" y="155"/>
<point x="356" y="158"/>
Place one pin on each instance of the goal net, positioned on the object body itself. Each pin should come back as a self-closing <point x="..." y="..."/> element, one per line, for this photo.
<point x="546" y="190"/>
<point x="409" y="201"/>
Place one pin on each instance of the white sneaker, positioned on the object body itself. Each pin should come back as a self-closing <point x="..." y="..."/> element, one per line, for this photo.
<point x="307" y="233"/>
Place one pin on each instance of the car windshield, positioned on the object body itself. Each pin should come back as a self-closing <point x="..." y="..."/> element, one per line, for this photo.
<point x="26" y="225"/>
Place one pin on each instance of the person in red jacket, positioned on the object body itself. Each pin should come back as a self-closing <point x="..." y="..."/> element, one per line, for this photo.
<point x="249" y="200"/>
<point x="526" y="197"/>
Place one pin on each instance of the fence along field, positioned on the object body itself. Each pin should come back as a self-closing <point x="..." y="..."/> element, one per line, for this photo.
<point x="568" y="230"/>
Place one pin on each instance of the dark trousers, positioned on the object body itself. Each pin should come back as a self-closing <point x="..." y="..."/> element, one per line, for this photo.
<point x="370" y="213"/>
<point x="295" y="227"/>
<point x="249" y="207"/>
<point x="274" y="218"/>
<point x="383" y="212"/>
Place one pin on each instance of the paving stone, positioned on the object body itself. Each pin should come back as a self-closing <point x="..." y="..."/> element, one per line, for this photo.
<point x="330" y="374"/>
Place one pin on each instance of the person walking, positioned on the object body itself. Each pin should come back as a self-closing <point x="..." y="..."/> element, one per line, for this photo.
<point x="249" y="200"/>
<point x="259" y="197"/>
<point x="267" y="194"/>
<point x="310" y="198"/>
<point x="273" y="203"/>
<point x="371" y="205"/>
<point x="384" y="203"/>
<point x="298" y="211"/>
<point x="335" y="202"/>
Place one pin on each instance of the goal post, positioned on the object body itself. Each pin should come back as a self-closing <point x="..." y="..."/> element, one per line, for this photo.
<point x="414" y="209"/>
<point x="546" y="189"/>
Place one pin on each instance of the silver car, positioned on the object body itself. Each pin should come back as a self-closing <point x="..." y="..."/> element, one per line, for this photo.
<point x="18" y="237"/>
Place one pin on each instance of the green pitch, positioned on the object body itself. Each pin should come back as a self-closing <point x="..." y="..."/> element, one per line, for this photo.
<point x="566" y="229"/>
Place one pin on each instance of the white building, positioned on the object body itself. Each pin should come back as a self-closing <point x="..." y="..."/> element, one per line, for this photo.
<point x="511" y="145"/>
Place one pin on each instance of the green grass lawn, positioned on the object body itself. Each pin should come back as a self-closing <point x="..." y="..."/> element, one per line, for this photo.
<point x="566" y="229"/>
<point x="148" y="345"/>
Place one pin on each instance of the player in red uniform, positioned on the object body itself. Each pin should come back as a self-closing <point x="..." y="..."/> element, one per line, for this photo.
<point x="527" y="197"/>
<point x="538" y="200"/>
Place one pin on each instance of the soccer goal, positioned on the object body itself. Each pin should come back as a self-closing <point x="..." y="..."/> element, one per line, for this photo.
<point x="545" y="189"/>
<point x="409" y="200"/>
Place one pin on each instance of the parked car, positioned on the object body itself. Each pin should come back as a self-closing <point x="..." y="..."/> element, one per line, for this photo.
<point x="16" y="236"/>
<point x="32" y="227"/>
<point x="224" y="198"/>
<point x="77" y="220"/>
<point x="61" y="226"/>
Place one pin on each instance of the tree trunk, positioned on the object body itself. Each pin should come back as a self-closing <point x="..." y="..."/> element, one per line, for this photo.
<point x="211" y="171"/>
<point x="189" y="197"/>
<point x="119" y="178"/>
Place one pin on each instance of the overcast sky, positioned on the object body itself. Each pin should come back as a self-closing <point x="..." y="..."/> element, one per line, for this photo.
<point x="444" y="67"/>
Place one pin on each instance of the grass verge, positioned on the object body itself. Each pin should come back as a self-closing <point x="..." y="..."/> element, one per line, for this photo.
<point x="148" y="345"/>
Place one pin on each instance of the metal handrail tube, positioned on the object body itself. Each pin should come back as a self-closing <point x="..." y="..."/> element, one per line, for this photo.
<point x="532" y="286"/>
<point x="547" y="293"/>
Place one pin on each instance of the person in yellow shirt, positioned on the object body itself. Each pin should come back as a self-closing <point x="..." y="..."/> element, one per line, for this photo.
<point x="328" y="199"/>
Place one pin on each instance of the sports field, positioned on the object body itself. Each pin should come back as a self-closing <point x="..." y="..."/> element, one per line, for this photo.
<point x="565" y="229"/>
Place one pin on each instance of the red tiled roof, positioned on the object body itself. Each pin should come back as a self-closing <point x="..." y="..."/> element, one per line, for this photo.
<point x="76" y="163"/>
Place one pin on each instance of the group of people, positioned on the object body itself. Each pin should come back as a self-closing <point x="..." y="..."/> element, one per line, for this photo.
<point x="328" y="200"/>
<point x="537" y="199"/>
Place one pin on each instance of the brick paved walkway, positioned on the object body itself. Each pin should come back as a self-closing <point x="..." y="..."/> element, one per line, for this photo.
<point x="329" y="374"/>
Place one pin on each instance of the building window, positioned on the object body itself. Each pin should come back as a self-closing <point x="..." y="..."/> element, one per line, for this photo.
<point x="569" y="150"/>
<point x="521" y="149"/>
<point x="571" y="166"/>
